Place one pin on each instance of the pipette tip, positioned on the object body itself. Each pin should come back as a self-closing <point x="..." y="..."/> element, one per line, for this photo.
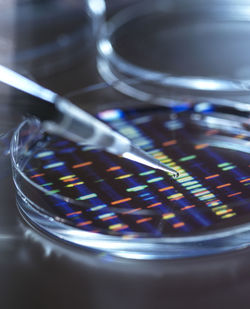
<point x="168" y="170"/>
<point x="138" y="155"/>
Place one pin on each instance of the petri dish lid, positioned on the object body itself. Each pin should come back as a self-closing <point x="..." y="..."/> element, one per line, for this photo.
<point x="177" y="48"/>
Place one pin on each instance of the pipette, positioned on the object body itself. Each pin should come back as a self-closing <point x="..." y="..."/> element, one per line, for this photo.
<point x="69" y="121"/>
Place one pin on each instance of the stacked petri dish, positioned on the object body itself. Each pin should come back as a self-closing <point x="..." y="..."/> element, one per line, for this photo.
<point x="185" y="67"/>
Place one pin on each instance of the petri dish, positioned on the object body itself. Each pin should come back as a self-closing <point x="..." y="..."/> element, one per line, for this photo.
<point x="91" y="199"/>
<point x="151" y="50"/>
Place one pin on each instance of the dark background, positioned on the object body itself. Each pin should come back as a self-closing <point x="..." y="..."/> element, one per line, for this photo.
<point x="38" y="272"/>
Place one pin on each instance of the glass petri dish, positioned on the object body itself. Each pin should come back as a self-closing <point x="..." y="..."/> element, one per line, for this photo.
<point x="92" y="199"/>
<point x="151" y="50"/>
